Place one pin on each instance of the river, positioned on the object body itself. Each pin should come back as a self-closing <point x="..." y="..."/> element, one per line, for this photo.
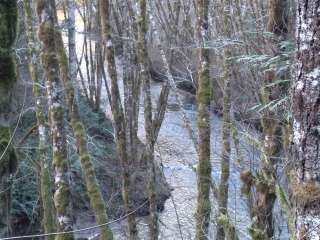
<point x="176" y="154"/>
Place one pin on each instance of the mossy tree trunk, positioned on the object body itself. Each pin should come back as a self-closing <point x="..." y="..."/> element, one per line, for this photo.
<point x="8" y="24"/>
<point x="203" y="100"/>
<point x="50" y="64"/>
<point x="43" y="151"/>
<point x="226" y="129"/>
<point x="93" y="188"/>
<point x="305" y="180"/>
<point x="118" y="115"/>
<point x="71" y="6"/>
<point x="262" y="224"/>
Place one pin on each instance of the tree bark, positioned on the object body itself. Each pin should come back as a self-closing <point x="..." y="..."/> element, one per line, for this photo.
<point x="43" y="151"/>
<point x="226" y="129"/>
<point x="118" y="116"/>
<point x="71" y="6"/>
<point x="50" y="64"/>
<point x="203" y="99"/>
<point x="148" y="118"/>
<point x="93" y="188"/>
<point x="305" y="182"/>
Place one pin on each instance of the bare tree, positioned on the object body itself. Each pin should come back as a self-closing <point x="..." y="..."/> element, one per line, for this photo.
<point x="118" y="115"/>
<point x="148" y="118"/>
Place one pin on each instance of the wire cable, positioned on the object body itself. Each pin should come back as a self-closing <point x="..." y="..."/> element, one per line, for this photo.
<point x="77" y="230"/>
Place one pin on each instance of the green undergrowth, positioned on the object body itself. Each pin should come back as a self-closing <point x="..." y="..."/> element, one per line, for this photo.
<point x="25" y="183"/>
<point x="102" y="149"/>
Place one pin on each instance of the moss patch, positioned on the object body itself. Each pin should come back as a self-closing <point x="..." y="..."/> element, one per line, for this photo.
<point x="8" y="28"/>
<point x="8" y="23"/>
<point x="9" y="160"/>
<point x="306" y="194"/>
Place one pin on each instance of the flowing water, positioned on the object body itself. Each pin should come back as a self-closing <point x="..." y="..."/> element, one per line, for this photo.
<point x="176" y="154"/>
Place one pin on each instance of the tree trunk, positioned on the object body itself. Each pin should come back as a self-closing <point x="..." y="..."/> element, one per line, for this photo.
<point x="148" y="118"/>
<point x="305" y="182"/>
<point x="118" y="116"/>
<point x="8" y="22"/>
<point x="262" y="225"/>
<point x="226" y="129"/>
<point x="203" y="98"/>
<point x="46" y="15"/>
<point x="93" y="188"/>
<point x="43" y="151"/>
<point x="72" y="44"/>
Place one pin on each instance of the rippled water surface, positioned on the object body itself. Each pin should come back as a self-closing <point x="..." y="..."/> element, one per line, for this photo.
<point x="176" y="155"/>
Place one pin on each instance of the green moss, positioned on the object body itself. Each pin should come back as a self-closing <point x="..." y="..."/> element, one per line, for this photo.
<point x="205" y="91"/>
<point x="9" y="160"/>
<point x="285" y="205"/>
<point x="264" y="183"/>
<point x="8" y="26"/>
<point x="282" y="198"/>
<point x="257" y="234"/>
<point x="7" y="69"/>
<point x="4" y="135"/>
<point x="142" y="19"/>
<point x="204" y="166"/>
<point x="46" y="33"/>
<point x="63" y="61"/>
<point x="8" y="23"/>
<point x="49" y="59"/>
<point x="62" y="200"/>
<point x="46" y="190"/>
<point x="204" y="169"/>
<point x="59" y="161"/>
<point x="79" y="130"/>
<point x="223" y="220"/>
<point x="228" y="227"/>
